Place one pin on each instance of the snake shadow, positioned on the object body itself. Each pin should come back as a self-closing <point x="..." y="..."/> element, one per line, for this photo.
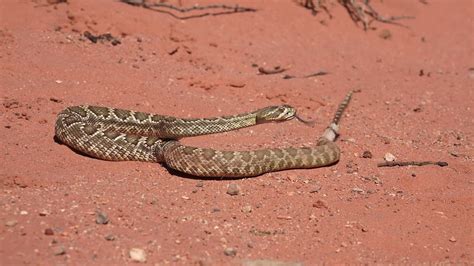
<point x="58" y="141"/>
<point x="209" y="178"/>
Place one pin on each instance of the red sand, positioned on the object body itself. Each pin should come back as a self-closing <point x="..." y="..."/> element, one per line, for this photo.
<point x="415" y="102"/>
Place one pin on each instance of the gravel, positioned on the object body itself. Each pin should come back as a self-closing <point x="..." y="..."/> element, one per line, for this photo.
<point x="230" y="252"/>
<point x="233" y="189"/>
<point x="137" y="254"/>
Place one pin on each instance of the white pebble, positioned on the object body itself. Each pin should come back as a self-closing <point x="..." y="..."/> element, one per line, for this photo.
<point x="137" y="254"/>
<point x="389" y="157"/>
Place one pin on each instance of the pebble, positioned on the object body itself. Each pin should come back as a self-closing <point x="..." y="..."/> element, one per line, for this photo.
<point x="388" y="157"/>
<point x="233" y="189"/>
<point x="367" y="154"/>
<point x="11" y="223"/>
<point x="237" y="84"/>
<point x="59" y="250"/>
<point x="101" y="217"/>
<point x="358" y="190"/>
<point x="247" y="209"/>
<point x="452" y="239"/>
<point x="48" y="232"/>
<point x="316" y="188"/>
<point x="230" y="252"/>
<point x="137" y="254"/>
<point x="320" y="204"/>
<point x="23" y="213"/>
<point x="109" y="237"/>
<point x="385" y="34"/>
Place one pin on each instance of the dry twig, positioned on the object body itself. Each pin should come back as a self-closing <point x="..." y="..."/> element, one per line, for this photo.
<point x="163" y="8"/>
<point x="360" y="11"/>
<point x="415" y="163"/>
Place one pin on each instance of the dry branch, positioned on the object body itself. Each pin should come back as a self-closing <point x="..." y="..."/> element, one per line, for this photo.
<point x="415" y="163"/>
<point x="221" y="9"/>
<point x="360" y="11"/>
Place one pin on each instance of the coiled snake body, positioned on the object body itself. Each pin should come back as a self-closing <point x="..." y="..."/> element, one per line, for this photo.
<point x="117" y="134"/>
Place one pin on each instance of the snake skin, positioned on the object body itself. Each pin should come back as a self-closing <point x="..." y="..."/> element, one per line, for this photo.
<point x="118" y="135"/>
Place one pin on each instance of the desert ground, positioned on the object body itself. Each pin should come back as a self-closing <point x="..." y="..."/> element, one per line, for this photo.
<point x="414" y="102"/>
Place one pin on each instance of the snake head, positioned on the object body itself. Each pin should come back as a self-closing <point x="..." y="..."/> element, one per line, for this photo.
<point x="278" y="113"/>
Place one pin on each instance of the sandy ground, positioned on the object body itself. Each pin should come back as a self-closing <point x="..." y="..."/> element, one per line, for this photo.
<point x="415" y="102"/>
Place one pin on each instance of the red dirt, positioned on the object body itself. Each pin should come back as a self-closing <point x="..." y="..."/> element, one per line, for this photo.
<point x="415" y="102"/>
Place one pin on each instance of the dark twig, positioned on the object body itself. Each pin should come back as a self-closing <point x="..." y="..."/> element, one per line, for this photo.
<point x="315" y="8"/>
<point x="319" y="73"/>
<point x="162" y="8"/>
<point x="360" y="11"/>
<point x="106" y="37"/>
<point x="415" y="163"/>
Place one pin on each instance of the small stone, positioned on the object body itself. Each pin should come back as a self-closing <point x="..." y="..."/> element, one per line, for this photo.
<point x="59" y="250"/>
<point x="55" y="100"/>
<point x="358" y="190"/>
<point x="58" y="81"/>
<point x="452" y="239"/>
<point x="367" y="154"/>
<point x="316" y="188"/>
<point x="43" y="213"/>
<point x="237" y="84"/>
<point x="352" y="167"/>
<point x="284" y="217"/>
<point x="137" y="254"/>
<point x="101" y="218"/>
<point x="11" y="223"/>
<point x="247" y="209"/>
<point x="385" y="34"/>
<point x="48" y="232"/>
<point x="233" y="189"/>
<point x="23" y="213"/>
<point x="109" y="237"/>
<point x="320" y="204"/>
<point x="388" y="157"/>
<point x="230" y="252"/>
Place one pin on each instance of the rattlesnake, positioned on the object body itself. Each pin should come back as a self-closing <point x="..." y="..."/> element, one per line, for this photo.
<point x="117" y="134"/>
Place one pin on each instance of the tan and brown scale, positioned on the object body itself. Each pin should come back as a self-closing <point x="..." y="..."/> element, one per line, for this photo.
<point x="117" y="135"/>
